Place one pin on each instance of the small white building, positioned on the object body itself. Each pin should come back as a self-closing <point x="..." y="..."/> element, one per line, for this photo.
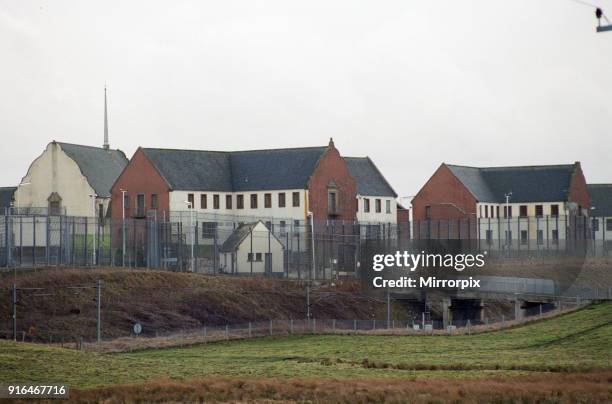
<point x="252" y="249"/>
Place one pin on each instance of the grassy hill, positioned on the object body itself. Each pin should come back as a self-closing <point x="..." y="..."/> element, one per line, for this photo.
<point x="162" y="301"/>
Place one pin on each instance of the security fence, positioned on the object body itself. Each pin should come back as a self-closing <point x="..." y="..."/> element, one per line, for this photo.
<point x="288" y="248"/>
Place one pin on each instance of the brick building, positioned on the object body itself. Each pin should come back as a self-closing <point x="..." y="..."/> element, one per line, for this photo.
<point x="277" y="184"/>
<point x="521" y="203"/>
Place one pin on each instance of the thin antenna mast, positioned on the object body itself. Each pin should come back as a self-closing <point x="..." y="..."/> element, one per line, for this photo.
<point x="106" y="145"/>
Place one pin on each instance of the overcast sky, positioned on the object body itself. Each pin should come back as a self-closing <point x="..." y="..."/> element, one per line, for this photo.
<point x="411" y="84"/>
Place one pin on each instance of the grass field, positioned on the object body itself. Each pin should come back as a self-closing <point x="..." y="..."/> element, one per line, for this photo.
<point x="577" y="343"/>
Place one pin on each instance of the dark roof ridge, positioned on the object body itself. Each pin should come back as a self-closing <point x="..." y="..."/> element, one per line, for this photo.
<point x="235" y="151"/>
<point x="85" y="145"/>
<point x="514" y="167"/>
<point x="600" y="184"/>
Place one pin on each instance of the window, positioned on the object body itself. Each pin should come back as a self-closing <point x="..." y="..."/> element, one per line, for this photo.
<point x="523" y="211"/>
<point x="253" y="201"/>
<point x="332" y="202"/>
<point x="228" y="201"/>
<point x="250" y="257"/>
<point x="55" y="208"/>
<point x="203" y="201"/>
<point x="258" y="257"/>
<point x="254" y="257"/>
<point x="554" y="210"/>
<point x="497" y="211"/>
<point x="509" y="236"/>
<point x="153" y="201"/>
<point x="388" y="206"/>
<point x="283" y="227"/>
<point x="540" y="237"/>
<point x="539" y="210"/>
<point x="140" y="205"/>
<point x="608" y="224"/>
<point x="595" y="224"/>
<point x="378" y="205"/>
<point x="267" y="200"/>
<point x="489" y="235"/>
<point x="100" y="212"/>
<point x="523" y="236"/>
<point x="239" y="201"/>
<point x="209" y="229"/>
<point x="487" y="211"/>
<point x="366" y="205"/>
<point x="216" y="202"/>
<point x="427" y="212"/>
<point x="296" y="199"/>
<point x="190" y="200"/>
<point x="296" y="223"/>
<point x="507" y="211"/>
<point x="281" y="199"/>
<point x="269" y="225"/>
<point x="555" y="236"/>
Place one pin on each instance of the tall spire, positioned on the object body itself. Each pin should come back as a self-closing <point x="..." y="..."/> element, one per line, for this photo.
<point x="106" y="145"/>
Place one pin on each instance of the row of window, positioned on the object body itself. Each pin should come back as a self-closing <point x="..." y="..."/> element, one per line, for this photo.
<point x="525" y="236"/>
<point x="254" y="199"/>
<point x="377" y="205"/>
<point x="596" y="224"/>
<point x="493" y="211"/>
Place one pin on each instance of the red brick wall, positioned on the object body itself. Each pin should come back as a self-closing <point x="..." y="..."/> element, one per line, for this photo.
<point x="578" y="191"/>
<point x="332" y="166"/>
<point x="140" y="177"/>
<point x="443" y="188"/>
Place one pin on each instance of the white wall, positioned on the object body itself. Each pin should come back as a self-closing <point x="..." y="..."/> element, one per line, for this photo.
<point x="178" y="198"/>
<point x="262" y="242"/>
<point x="603" y="233"/>
<point x="372" y="216"/>
<point x="54" y="171"/>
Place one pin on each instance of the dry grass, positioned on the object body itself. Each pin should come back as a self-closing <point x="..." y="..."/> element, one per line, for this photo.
<point x="538" y="388"/>
<point x="163" y="301"/>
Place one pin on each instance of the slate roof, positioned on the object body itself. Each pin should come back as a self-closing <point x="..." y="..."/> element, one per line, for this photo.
<point x="234" y="240"/>
<point x="6" y="196"/>
<point x="527" y="183"/>
<point x="101" y="167"/>
<point x="370" y="181"/>
<point x="601" y="199"/>
<point x="237" y="171"/>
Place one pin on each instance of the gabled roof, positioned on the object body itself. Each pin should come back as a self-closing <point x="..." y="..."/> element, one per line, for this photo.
<point x="601" y="199"/>
<point x="237" y="237"/>
<point x="370" y="181"/>
<point x="100" y="166"/>
<point x="527" y="183"/>
<point x="6" y="196"/>
<point x="237" y="171"/>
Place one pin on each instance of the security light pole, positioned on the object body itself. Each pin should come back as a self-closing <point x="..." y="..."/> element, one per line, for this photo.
<point x="190" y="206"/>
<point x="93" y="211"/>
<point x="312" y="266"/>
<point x="507" y="196"/>
<point x="123" y="191"/>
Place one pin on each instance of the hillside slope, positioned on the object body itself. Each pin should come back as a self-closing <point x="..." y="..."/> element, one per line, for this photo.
<point x="162" y="301"/>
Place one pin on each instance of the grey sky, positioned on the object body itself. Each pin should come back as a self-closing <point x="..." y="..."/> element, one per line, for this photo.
<point x="409" y="83"/>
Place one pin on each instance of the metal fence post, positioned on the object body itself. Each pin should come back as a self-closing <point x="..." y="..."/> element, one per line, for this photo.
<point x="98" y="311"/>
<point x="226" y="331"/>
<point x="270" y="327"/>
<point x="249" y="329"/>
<point x="14" y="312"/>
<point x="354" y="325"/>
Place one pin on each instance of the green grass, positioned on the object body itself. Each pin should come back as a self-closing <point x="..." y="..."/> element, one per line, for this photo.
<point x="574" y="342"/>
